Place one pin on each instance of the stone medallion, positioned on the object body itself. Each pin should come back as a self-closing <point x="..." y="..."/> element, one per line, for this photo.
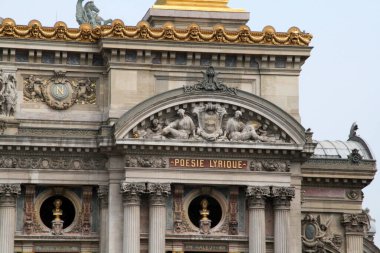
<point x="58" y="92"/>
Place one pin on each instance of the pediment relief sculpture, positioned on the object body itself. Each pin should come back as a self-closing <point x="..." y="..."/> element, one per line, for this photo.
<point x="59" y="92"/>
<point x="211" y="122"/>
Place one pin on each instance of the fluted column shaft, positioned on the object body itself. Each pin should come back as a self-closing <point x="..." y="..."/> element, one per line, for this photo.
<point x="354" y="225"/>
<point x="282" y="198"/>
<point x="281" y="230"/>
<point x="157" y="216"/>
<point x="256" y="205"/>
<point x="8" y="196"/>
<point x="131" y="199"/>
<point x="354" y="243"/>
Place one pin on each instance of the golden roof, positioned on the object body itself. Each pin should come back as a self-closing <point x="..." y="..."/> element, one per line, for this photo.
<point x="195" y="5"/>
<point x="143" y="31"/>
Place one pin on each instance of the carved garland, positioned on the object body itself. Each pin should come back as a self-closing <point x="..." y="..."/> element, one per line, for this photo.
<point x="34" y="30"/>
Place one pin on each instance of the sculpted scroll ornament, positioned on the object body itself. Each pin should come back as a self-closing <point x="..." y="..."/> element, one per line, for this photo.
<point x="8" y="94"/>
<point x="59" y="92"/>
<point x="317" y="236"/>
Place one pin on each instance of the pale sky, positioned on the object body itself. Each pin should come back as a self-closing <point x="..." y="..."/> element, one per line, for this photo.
<point x="339" y="82"/>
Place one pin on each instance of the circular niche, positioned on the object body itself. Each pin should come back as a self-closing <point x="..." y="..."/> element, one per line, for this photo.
<point x="67" y="207"/>
<point x="214" y="208"/>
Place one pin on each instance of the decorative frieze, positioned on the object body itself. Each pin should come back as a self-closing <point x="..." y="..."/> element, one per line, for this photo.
<point x="62" y="163"/>
<point x="270" y="165"/>
<point x="147" y="162"/>
<point x="354" y="194"/>
<point x="60" y="92"/>
<point x="355" y="223"/>
<point x="8" y="94"/>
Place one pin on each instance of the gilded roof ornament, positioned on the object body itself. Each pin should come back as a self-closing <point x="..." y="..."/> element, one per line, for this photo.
<point x="143" y="31"/>
<point x="195" y="5"/>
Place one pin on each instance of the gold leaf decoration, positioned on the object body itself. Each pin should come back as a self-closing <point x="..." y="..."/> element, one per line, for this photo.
<point x="143" y="31"/>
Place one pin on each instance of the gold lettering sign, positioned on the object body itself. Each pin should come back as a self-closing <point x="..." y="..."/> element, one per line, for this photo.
<point x="206" y="247"/>
<point x="207" y="163"/>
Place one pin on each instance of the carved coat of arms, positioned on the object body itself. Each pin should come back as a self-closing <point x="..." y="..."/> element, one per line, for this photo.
<point x="210" y="118"/>
<point x="58" y="92"/>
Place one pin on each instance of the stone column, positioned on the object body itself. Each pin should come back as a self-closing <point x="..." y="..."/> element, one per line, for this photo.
<point x="256" y="204"/>
<point x="354" y="225"/>
<point x="157" y="216"/>
<point x="131" y="198"/>
<point x="103" y="199"/>
<point x="282" y="197"/>
<point x="8" y="196"/>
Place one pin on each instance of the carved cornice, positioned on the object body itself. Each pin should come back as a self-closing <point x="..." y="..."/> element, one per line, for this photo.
<point x="9" y="193"/>
<point x="85" y="33"/>
<point x="282" y="196"/>
<point x="131" y="192"/>
<point x="158" y="193"/>
<point x="355" y="223"/>
<point x="256" y="196"/>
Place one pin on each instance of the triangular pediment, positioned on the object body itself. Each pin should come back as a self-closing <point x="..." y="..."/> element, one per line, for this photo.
<point x="194" y="116"/>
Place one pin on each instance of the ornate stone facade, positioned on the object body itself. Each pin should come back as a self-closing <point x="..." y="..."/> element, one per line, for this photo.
<point x="177" y="145"/>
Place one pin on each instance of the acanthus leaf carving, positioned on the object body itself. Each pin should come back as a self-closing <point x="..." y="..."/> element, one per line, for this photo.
<point x="355" y="222"/>
<point x="59" y="92"/>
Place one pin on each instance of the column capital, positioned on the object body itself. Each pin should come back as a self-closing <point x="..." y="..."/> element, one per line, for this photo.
<point x="9" y="193"/>
<point x="355" y="223"/>
<point x="131" y="192"/>
<point x="158" y="193"/>
<point x="282" y="196"/>
<point x="103" y="195"/>
<point x="256" y="196"/>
